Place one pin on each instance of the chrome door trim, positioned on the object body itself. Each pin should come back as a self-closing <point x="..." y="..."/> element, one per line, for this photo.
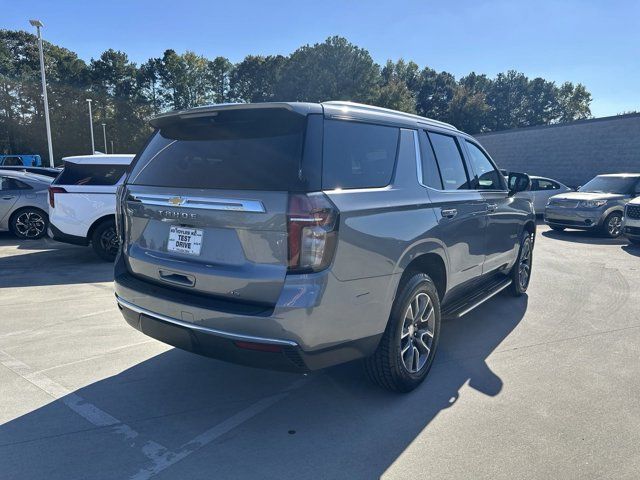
<point x="203" y="203"/>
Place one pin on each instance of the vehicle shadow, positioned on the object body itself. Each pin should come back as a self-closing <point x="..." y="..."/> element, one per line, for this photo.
<point x="9" y="239"/>
<point x="632" y="249"/>
<point x="579" y="236"/>
<point x="336" y="425"/>
<point x="67" y="265"/>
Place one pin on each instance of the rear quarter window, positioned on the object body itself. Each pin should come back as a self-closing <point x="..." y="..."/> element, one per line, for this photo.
<point x="358" y="155"/>
<point x="87" y="174"/>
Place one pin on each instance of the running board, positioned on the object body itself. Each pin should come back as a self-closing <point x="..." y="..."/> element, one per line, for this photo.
<point x="464" y="305"/>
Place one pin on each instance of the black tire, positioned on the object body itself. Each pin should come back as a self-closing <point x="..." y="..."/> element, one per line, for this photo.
<point x="521" y="272"/>
<point x="102" y="240"/>
<point x="387" y="366"/>
<point x="557" y="229"/>
<point x="634" y="241"/>
<point x="29" y="223"/>
<point x="611" y="230"/>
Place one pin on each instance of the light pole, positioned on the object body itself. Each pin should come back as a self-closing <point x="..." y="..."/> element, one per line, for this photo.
<point x="38" y="24"/>
<point x="93" y="146"/>
<point x="104" y="133"/>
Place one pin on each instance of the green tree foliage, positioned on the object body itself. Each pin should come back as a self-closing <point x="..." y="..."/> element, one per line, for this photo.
<point x="332" y="70"/>
<point x="125" y="94"/>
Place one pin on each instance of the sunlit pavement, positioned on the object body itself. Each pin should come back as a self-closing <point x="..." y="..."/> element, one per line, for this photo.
<point x="544" y="386"/>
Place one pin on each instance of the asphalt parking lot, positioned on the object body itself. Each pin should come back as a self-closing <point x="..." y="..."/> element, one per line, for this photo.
<point x="544" y="386"/>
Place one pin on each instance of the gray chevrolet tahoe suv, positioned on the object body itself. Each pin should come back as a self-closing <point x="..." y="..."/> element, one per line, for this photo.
<point x="298" y="236"/>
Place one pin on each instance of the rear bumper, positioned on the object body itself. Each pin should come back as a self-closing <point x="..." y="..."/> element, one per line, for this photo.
<point x="58" y="235"/>
<point x="260" y="352"/>
<point x="298" y="334"/>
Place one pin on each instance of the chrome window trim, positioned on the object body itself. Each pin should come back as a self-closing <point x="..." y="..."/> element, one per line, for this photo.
<point x="202" y="203"/>
<point x="194" y="326"/>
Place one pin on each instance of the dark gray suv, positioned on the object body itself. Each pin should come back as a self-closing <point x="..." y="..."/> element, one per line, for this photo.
<point x="298" y="236"/>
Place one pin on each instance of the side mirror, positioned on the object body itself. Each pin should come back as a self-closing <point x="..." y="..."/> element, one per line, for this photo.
<point x="518" y="182"/>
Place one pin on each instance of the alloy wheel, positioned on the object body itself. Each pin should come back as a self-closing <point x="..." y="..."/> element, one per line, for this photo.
<point x="109" y="241"/>
<point x="30" y="224"/>
<point x="418" y="328"/>
<point x="524" y="267"/>
<point x="614" y="226"/>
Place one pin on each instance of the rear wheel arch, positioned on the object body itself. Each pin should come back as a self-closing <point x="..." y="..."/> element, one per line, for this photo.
<point x="430" y="264"/>
<point x="94" y="225"/>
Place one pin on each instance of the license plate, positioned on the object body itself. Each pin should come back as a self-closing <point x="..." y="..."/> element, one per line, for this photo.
<point x="185" y="240"/>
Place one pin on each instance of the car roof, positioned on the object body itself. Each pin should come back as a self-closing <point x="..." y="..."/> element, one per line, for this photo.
<point x="118" y="159"/>
<point x="25" y="175"/>
<point x="622" y="175"/>
<point x="332" y="109"/>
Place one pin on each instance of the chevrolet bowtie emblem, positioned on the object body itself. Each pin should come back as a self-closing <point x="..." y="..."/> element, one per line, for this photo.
<point x="176" y="201"/>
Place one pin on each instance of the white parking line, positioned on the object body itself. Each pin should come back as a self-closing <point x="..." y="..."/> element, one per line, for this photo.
<point x="170" y="458"/>
<point x="82" y="407"/>
<point x="161" y="457"/>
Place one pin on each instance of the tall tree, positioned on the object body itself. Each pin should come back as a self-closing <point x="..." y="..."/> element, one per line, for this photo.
<point x="332" y="70"/>
<point x="435" y="92"/>
<point x="255" y="78"/>
<point x="573" y="102"/>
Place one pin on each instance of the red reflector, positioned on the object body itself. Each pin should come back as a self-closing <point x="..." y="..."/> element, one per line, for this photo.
<point x="262" y="347"/>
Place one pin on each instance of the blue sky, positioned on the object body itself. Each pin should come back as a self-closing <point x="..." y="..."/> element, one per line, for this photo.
<point x="595" y="42"/>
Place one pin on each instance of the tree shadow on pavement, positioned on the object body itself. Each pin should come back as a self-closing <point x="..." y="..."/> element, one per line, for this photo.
<point x="335" y="425"/>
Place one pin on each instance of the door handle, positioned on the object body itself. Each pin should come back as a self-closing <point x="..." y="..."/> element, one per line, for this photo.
<point x="8" y="197"/>
<point x="449" y="212"/>
<point x="492" y="207"/>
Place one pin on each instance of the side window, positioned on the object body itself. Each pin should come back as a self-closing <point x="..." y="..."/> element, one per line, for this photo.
<point x="13" y="162"/>
<point x="534" y="184"/>
<point x="8" y="183"/>
<point x="452" y="170"/>
<point x="488" y="177"/>
<point x="358" y="155"/>
<point x="546" y="185"/>
<point x="430" y="172"/>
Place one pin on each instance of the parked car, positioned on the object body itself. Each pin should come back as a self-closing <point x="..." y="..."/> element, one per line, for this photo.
<point x="23" y="204"/>
<point x="632" y="221"/>
<point x="596" y="206"/>
<point x="82" y="202"/>
<point x="21" y="160"/>
<point x="298" y="236"/>
<point x="48" y="172"/>
<point x="541" y="190"/>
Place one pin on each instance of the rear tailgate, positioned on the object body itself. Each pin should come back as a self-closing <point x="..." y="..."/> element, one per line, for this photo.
<point x="205" y="204"/>
<point x="231" y="244"/>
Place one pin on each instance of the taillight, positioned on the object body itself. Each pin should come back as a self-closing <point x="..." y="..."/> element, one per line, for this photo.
<point x="52" y="192"/>
<point x="312" y="223"/>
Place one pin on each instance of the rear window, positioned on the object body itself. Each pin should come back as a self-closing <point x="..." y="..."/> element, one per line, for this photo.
<point x="87" y="174"/>
<point x="259" y="149"/>
<point x="358" y="155"/>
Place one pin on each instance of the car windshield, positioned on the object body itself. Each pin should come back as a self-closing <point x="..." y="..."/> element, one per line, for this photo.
<point x="604" y="184"/>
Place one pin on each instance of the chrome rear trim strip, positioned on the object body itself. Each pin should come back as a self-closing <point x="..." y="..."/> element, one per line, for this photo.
<point x="203" y="203"/>
<point x="200" y="328"/>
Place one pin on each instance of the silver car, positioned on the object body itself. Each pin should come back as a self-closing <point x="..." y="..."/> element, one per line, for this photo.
<point x="542" y="189"/>
<point x="298" y="236"/>
<point x="23" y="204"/>
<point x="596" y="206"/>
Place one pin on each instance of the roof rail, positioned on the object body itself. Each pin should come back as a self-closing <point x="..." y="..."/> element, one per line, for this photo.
<point x="372" y="108"/>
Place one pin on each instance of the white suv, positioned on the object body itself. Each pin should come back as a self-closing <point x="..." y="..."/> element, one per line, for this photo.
<point x="82" y="202"/>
